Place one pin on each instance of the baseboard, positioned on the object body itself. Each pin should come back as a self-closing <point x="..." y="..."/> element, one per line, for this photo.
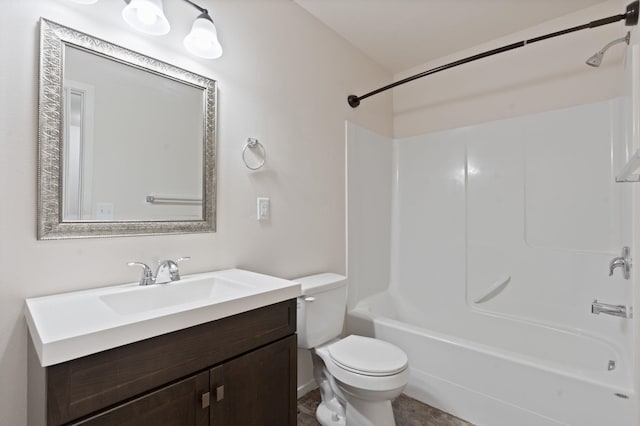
<point x="306" y="388"/>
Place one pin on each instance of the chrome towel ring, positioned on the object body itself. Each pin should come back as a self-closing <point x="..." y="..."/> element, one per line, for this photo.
<point x="253" y="143"/>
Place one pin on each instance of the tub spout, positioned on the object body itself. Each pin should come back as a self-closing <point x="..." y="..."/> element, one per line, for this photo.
<point x="615" y="310"/>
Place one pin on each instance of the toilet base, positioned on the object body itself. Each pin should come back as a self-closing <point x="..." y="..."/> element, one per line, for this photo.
<point x="369" y="413"/>
<point x="361" y="413"/>
<point x="326" y="417"/>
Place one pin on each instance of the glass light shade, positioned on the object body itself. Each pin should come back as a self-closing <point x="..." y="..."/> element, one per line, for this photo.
<point x="146" y="16"/>
<point x="203" y="41"/>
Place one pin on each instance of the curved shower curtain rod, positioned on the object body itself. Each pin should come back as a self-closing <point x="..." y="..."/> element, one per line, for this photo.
<point x="630" y="18"/>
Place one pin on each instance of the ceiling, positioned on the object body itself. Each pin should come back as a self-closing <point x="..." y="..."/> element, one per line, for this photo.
<point x="400" y="34"/>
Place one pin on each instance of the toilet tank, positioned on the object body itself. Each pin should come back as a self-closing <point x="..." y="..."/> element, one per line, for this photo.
<point x="321" y="308"/>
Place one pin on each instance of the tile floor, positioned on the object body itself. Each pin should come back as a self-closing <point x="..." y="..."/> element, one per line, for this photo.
<point x="407" y="411"/>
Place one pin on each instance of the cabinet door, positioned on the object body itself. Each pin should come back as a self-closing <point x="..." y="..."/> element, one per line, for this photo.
<point x="179" y="404"/>
<point x="256" y="389"/>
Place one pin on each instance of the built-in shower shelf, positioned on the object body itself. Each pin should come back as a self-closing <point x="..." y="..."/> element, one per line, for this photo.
<point x="631" y="171"/>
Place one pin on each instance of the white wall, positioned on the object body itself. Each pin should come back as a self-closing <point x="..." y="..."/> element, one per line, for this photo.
<point x="369" y="188"/>
<point x="428" y="225"/>
<point x="283" y="78"/>
<point x="538" y="77"/>
<point x="532" y="198"/>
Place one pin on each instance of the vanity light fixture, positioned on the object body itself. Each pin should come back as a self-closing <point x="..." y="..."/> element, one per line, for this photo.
<point x="148" y="16"/>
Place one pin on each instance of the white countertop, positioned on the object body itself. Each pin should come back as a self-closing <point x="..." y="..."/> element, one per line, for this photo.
<point x="71" y="325"/>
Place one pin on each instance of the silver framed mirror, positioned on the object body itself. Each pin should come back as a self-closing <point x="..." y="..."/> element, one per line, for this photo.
<point x="127" y="143"/>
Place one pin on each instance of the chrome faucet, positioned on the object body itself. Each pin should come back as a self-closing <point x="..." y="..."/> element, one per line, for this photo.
<point x="623" y="261"/>
<point x="615" y="310"/>
<point x="167" y="271"/>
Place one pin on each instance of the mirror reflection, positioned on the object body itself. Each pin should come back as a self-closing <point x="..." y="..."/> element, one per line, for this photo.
<point x="133" y="143"/>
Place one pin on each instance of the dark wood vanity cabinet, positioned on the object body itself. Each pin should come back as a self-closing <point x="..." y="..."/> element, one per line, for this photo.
<point x="239" y="370"/>
<point x="175" y="404"/>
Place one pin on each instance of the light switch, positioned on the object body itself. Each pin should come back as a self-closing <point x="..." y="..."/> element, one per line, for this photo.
<point x="263" y="208"/>
<point x="104" y="211"/>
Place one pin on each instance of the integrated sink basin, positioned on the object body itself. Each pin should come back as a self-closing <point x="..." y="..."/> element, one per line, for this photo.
<point x="71" y="325"/>
<point x="139" y="299"/>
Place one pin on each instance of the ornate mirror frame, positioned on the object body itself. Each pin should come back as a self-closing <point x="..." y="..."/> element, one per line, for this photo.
<point x="53" y="39"/>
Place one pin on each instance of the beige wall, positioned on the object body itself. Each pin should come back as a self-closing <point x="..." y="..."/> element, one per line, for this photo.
<point x="283" y="78"/>
<point x="539" y="77"/>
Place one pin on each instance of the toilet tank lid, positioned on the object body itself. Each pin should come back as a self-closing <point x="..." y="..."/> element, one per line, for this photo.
<point x="318" y="283"/>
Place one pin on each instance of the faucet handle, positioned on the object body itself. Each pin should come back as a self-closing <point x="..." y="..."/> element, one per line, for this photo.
<point x="623" y="261"/>
<point x="147" y="275"/>
<point x="175" y="276"/>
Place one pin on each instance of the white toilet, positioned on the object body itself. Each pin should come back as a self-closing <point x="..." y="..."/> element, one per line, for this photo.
<point x="357" y="376"/>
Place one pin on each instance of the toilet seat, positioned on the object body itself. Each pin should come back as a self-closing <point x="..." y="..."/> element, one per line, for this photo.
<point x="351" y="377"/>
<point x="367" y="356"/>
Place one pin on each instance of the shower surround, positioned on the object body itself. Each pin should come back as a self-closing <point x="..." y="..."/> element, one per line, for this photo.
<point x="496" y="240"/>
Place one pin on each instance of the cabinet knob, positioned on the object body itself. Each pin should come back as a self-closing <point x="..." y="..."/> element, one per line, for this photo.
<point x="219" y="393"/>
<point x="205" y="398"/>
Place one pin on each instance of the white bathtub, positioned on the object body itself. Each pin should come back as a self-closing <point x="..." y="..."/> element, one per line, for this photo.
<point x="521" y="374"/>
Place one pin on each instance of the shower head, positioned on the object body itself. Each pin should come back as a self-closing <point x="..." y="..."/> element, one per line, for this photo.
<point x="596" y="59"/>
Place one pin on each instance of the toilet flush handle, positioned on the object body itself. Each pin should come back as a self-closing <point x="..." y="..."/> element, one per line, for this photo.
<point x="309" y="299"/>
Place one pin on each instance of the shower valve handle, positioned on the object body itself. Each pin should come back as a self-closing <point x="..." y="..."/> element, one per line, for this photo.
<point x="623" y="261"/>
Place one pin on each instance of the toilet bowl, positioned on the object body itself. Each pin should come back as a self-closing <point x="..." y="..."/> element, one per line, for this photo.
<point x="367" y="374"/>
<point x="358" y="376"/>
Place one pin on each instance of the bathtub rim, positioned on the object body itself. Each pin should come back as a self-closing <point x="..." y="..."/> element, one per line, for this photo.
<point x="362" y="312"/>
